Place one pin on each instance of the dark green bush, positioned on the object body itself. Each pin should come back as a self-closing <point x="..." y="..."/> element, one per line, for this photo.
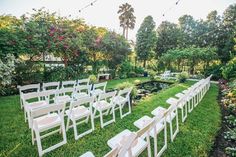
<point x="229" y="70"/>
<point x="139" y="70"/>
<point x="182" y="77"/>
<point x="61" y="73"/>
<point x="28" y="72"/>
<point x="125" y="69"/>
<point x="214" y="70"/>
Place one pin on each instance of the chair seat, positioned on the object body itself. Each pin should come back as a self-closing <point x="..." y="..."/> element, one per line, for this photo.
<point x="138" y="146"/>
<point x="172" y="101"/>
<point x="142" y="122"/>
<point x="64" y="98"/>
<point x="179" y="95"/>
<point x="46" y="122"/>
<point x="159" y="111"/>
<point x="87" y="154"/>
<point x="80" y="95"/>
<point x="97" y="92"/>
<point x="35" y="105"/>
<point x="102" y="105"/>
<point x="78" y="112"/>
<point x="119" y="100"/>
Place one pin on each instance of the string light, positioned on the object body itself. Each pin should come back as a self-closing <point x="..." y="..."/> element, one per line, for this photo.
<point x="88" y="5"/>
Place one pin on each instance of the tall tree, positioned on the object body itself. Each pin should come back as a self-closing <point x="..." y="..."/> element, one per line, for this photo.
<point x="116" y="49"/>
<point x="146" y="40"/>
<point x="167" y="37"/>
<point x="127" y="18"/>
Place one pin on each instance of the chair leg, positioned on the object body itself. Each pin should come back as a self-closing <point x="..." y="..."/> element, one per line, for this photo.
<point x="171" y="131"/>
<point x="92" y="121"/>
<point x="121" y="115"/>
<point x="114" y="116"/>
<point x="39" y="145"/>
<point x="75" y="129"/>
<point x="32" y="134"/>
<point x="101" y="119"/>
<point x="149" y="147"/>
<point x="63" y="132"/>
<point x="155" y="145"/>
<point x="67" y="124"/>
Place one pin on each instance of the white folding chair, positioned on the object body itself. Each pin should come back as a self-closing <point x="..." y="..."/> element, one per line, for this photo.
<point x="64" y="95"/>
<point x="121" y="99"/>
<point x="182" y="102"/>
<point x="103" y="105"/>
<point x="171" y="114"/>
<point x="35" y="100"/>
<point x="68" y="84"/>
<point x="45" y="120"/>
<point x="81" y="91"/>
<point x="27" y="89"/>
<point x="160" y="125"/>
<point x="83" y="82"/>
<point x="79" y="112"/>
<point x="98" y="89"/>
<point x="190" y="98"/>
<point x="141" y="142"/>
<point x="166" y="75"/>
<point x="51" y="85"/>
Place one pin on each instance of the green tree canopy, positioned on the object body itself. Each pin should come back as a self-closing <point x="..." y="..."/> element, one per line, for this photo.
<point x="146" y="40"/>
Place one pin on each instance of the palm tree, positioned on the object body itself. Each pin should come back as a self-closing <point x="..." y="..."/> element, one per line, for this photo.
<point x="127" y="18"/>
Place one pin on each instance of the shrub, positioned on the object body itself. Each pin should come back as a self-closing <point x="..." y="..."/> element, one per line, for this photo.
<point x="28" y="72"/>
<point x="152" y="75"/>
<point x="139" y="70"/>
<point x="60" y="73"/>
<point x="215" y="71"/>
<point x="125" y="69"/>
<point x="127" y="85"/>
<point x="229" y="70"/>
<point x="182" y="77"/>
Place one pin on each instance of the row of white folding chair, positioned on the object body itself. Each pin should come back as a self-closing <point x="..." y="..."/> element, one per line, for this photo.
<point x="42" y="121"/>
<point x="50" y="85"/>
<point x="75" y="94"/>
<point x="165" y="115"/>
<point x="172" y="113"/>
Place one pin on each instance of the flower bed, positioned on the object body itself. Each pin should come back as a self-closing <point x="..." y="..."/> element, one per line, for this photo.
<point x="225" y="143"/>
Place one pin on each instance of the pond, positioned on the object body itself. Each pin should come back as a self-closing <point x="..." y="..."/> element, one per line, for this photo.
<point x="146" y="88"/>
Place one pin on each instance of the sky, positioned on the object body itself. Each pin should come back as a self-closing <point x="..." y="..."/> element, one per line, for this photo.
<point x="104" y="12"/>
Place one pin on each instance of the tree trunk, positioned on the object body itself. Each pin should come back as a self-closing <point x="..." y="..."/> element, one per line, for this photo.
<point x="144" y="63"/>
<point x="94" y="63"/>
<point x="127" y="33"/>
<point x="65" y="61"/>
<point x="124" y="31"/>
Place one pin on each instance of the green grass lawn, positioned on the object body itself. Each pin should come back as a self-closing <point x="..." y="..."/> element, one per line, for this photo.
<point x="194" y="139"/>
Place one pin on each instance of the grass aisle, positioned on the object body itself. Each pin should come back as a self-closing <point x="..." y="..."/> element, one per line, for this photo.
<point x="195" y="136"/>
